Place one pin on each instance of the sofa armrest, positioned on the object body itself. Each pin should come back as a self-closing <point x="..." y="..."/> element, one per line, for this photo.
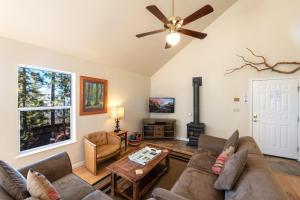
<point x="54" y="167"/>
<point x="163" y="194"/>
<point x="112" y="138"/>
<point x="211" y="143"/>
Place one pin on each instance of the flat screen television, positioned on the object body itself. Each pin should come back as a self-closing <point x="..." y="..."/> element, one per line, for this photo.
<point x="161" y="105"/>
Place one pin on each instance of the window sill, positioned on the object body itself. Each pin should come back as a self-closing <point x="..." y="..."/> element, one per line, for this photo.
<point x="42" y="149"/>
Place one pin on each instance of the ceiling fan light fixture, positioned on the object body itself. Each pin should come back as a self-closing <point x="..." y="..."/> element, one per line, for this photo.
<point x="173" y="38"/>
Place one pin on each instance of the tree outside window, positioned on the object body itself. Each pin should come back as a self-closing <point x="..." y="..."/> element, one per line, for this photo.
<point x="45" y="107"/>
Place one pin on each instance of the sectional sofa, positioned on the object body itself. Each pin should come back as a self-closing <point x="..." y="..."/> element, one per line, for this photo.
<point x="197" y="181"/>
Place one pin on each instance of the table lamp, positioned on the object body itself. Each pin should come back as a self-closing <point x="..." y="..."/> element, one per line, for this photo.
<point x="117" y="113"/>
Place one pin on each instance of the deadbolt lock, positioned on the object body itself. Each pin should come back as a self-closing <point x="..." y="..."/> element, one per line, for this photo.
<point x="255" y="117"/>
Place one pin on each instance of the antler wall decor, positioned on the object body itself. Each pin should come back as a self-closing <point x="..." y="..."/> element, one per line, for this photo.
<point x="264" y="65"/>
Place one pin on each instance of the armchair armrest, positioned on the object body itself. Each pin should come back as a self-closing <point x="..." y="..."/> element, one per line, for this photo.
<point x="163" y="194"/>
<point x="90" y="154"/>
<point x="211" y="143"/>
<point x="112" y="138"/>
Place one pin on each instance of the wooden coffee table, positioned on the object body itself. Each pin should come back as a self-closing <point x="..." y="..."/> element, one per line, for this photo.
<point x="139" y="183"/>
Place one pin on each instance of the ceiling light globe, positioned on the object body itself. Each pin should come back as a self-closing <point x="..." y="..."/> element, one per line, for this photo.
<point x="173" y="38"/>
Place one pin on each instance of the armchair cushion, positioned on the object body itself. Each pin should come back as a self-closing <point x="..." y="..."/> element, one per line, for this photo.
<point x="112" y="138"/>
<point x="98" y="138"/>
<point x="106" y="150"/>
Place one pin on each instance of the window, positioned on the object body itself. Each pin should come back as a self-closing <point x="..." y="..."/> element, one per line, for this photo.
<point x="45" y="104"/>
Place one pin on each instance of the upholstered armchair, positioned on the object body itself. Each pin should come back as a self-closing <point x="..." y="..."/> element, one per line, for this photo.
<point x="100" y="146"/>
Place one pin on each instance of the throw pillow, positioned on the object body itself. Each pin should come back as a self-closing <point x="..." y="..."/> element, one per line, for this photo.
<point x="221" y="159"/>
<point x="39" y="187"/>
<point x="13" y="182"/>
<point x="232" y="170"/>
<point x="232" y="141"/>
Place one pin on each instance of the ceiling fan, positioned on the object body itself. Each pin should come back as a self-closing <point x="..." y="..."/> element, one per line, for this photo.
<point x="174" y="24"/>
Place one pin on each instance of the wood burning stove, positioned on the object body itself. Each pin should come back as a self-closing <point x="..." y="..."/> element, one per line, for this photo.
<point x="195" y="128"/>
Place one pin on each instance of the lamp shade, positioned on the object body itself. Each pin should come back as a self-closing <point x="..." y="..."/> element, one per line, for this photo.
<point x="117" y="112"/>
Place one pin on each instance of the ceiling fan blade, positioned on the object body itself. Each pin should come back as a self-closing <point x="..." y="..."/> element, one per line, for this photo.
<point x="195" y="34"/>
<point x="198" y="14"/>
<point x="157" y="13"/>
<point x="149" y="33"/>
<point x="168" y="46"/>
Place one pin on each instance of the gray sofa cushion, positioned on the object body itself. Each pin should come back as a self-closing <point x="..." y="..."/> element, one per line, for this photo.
<point x="232" y="171"/>
<point x="197" y="185"/>
<point x="97" y="195"/>
<point x="71" y="187"/>
<point x="54" y="167"/>
<point x="202" y="161"/>
<point x="13" y="182"/>
<point x="233" y="141"/>
<point x="256" y="182"/>
<point x="163" y="194"/>
<point x="211" y="143"/>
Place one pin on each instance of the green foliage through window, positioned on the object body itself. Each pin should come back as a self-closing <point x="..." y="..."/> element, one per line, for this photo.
<point x="44" y="101"/>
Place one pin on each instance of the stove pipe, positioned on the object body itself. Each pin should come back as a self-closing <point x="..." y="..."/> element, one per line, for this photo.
<point x="197" y="82"/>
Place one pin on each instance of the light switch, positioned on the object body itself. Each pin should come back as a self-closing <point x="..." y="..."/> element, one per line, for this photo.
<point x="246" y="98"/>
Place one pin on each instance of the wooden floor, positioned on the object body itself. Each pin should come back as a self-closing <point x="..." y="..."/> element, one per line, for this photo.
<point x="89" y="177"/>
<point x="290" y="183"/>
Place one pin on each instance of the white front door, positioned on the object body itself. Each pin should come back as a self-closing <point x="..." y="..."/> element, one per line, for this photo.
<point x="275" y="116"/>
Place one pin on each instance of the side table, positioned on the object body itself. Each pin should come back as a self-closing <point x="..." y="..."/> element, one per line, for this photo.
<point x="123" y="135"/>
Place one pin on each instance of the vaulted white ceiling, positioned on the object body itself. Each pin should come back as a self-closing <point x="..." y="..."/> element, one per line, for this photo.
<point x="102" y="31"/>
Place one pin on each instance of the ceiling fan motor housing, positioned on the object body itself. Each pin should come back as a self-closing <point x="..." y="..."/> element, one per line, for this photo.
<point x="175" y="24"/>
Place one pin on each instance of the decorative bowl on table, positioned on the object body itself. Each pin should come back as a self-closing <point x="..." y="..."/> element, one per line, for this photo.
<point x="134" y="139"/>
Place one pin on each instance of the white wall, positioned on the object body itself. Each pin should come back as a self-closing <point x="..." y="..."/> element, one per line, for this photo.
<point x="269" y="27"/>
<point x="124" y="88"/>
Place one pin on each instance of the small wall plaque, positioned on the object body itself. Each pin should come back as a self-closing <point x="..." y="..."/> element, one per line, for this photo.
<point x="236" y="99"/>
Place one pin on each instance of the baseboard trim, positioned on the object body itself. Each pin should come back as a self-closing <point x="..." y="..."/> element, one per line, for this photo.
<point x="182" y="139"/>
<point x="78" y="164"/>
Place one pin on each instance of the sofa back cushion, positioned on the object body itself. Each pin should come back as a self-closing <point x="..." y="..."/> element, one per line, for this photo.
<point x="233" y="141"/>
<point x="13" y="182"/>
<point x="98" y="138"/>
<point x="232" y="171"/>
<point x="54" y="167"/>
<point x="256" y="182"/>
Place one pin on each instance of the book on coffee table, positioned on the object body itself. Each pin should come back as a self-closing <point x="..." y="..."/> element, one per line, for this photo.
<point x="144" y="155"/>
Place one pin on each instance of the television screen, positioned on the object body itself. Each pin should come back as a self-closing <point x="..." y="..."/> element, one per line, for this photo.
<point x="161" y="105"/>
